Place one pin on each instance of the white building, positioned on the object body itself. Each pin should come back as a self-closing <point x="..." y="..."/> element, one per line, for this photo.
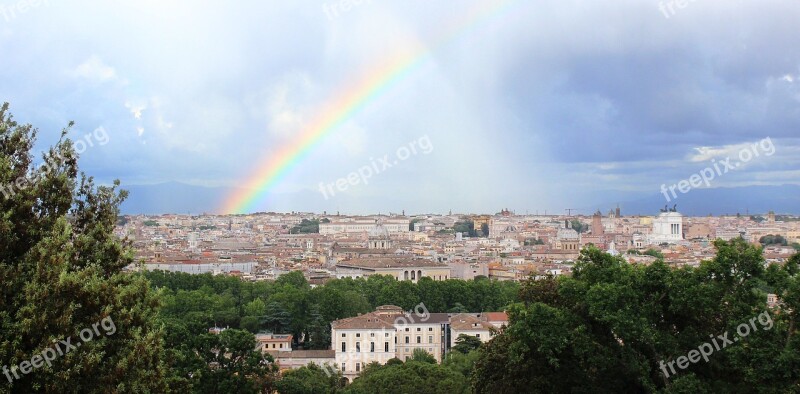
<point x="394" y="225"/>
<point x="667" y="228"/>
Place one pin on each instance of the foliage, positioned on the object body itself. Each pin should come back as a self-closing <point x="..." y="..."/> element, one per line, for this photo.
<point x="466" y="343"/>
<point x="773" y="240"/>
<point x="306" y="227"/>
<point x="310" y="379"/>
<point x="654" y="252"/>
<point x="608" y="328"/>
<point x="233" y="364"/>
<point x="409" y="377"/>
<point x="466" y="226"/>
<point x="61" y="269"/>
<point x="579" y="226"/>
<point x="422" y="356"/>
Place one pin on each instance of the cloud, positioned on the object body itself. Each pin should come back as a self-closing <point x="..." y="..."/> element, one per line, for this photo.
<point x="95" y="70"/>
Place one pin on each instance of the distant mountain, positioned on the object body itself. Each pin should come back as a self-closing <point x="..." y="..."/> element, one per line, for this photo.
<point x="702" y="202"/>
<point x="174" y="197"/>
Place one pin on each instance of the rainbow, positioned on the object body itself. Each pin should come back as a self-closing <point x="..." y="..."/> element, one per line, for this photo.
<point x="346" y="105"/>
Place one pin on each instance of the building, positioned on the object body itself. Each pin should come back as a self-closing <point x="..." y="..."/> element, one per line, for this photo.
<point x="393" y="225"/>
<point x="667" y="228"/>
<point x="360" y="340"/>
<point x="468" y="324"/>
<point x="389" y="333"/>
<point x="273" y="342"/>
<point x="401" y="267"/>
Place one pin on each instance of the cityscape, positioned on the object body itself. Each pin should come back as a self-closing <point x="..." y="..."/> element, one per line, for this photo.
<point x="400" y="197"/>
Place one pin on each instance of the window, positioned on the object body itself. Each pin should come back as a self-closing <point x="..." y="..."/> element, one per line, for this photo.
<point x="358" y="335"/>
<point x="406" y="329"/>
<point x="406" y="352"/>
<point x="344" y="346"/>
<point x="430" y="338"/>
<point x="372" y="334"/>
<point x="386" y="347"/>
<point x="419" y="339"/>
<point x="372" y="347"/>
<point x="358" y="347"/>
<point x="358" y="367"/>
<point x="430" y="328"/>
<point x="408" y="339"/>
<point x="419" y="329"/>
<point x="477" y="335"/>
<point x="343" y="367"/>
<point x="344" y="335"/>
<point x="386" y="335"/>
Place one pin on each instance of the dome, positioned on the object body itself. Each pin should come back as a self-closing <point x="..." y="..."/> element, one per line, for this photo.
<point x="379" y="232"/>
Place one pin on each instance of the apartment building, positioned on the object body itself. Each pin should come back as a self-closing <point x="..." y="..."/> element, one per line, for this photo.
<point x="389" y="332"/>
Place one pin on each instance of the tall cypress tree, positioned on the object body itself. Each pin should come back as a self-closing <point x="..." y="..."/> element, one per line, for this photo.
<point x="61" y="273"/>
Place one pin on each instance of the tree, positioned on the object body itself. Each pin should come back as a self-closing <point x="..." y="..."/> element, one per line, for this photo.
<point x="306" y="227"/>
<point x="277" y="319"/>
<point x="409" y="377"/>
<point x="466" y="343"/>
<point x="485" y="230"/>
<point x="310" y="379"/>
<point x="319" y="331"/>
<point x="773" y="240"/>
<point x="579" y="226"/>
<point x="420" y="355"/>
<point x="613" y="325"/>
<point x="655" y="253"/>
<point x="61" y="269"/>
<point x="234" y="365"/>
<point x="466" y="226"/>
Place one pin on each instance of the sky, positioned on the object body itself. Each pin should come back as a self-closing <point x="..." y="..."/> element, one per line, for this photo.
<point x="541" y="105"/>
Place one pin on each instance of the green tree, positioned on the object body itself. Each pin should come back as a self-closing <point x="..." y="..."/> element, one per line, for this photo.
<point x="612" y="325"/>
<point x="310" y="379"/>
<point x="60" y="265"/>
<point x="579" y="226"/>
<point x="306" y="227"/>
<point x="420" y="355"/>
<point x="234" y="365"/>
<point x="466" y="343"/>
<point x="277" y="319"/>
<point x="409" y="377"/>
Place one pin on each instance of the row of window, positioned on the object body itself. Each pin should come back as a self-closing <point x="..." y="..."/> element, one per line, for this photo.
<point x="386" y="344"/>
<point x="371" y="347"/>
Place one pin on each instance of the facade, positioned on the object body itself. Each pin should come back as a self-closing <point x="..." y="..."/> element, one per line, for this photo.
<point x="273" y="342"/>
<point x="667" y="228"/>
<point x="468" y="324"/>
<point x="402" y="268"/>
<point x="389" y="333"/>
<point x="364" y="225"/>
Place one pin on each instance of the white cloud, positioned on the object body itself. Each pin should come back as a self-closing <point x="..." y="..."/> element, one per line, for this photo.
<point x="136" y="108"/>
<point x="94" y="69"/>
